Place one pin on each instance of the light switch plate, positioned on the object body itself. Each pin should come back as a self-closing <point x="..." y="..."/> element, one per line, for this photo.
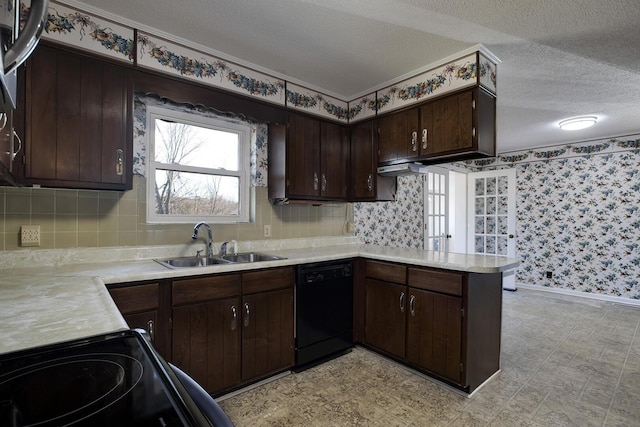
<point x="30" y="235"/>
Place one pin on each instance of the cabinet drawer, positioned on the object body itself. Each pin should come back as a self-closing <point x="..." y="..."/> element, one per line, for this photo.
<point x="205" y="288"/>
<point x="386" y="272"/>
<point x="267" y="280"/>
<point x="135" y="298"/>
<point x="437" y="281"/>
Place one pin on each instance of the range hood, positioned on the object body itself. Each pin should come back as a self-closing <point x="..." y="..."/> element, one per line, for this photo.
<point x="402" y="169"/>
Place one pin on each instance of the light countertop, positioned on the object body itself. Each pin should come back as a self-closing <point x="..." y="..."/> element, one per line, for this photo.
<point x="43" y="302"/>
<point x="41" y="310"/>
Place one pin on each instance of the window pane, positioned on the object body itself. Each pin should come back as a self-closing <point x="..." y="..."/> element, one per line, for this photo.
<point x="187" y="144"/>
<point x="183" y="193"/>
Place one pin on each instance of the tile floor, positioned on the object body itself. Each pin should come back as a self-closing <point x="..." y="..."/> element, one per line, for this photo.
<point x="566" y="361"/>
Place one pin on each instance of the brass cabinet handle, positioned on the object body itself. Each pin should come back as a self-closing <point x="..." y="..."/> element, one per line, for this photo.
<point x="234" y="318"/>
<point x="324" y="182"/>
<point x="246" y="314"/>
<point x="412" y="305"/>
<point x="150" y="329"/>
<point x="119" y="162"/>
<point x="414" y="141"/>
<point x="315" y="181"/>
<point x="402" y="302"/>
<point x="370" y="182"/>
<point x="424" y="138"/>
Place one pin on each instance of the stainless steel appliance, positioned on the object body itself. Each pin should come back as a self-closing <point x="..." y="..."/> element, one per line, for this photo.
<point x="324" y="311"/>
<point x="109" y="380"/>
<point x="16" y="45"/>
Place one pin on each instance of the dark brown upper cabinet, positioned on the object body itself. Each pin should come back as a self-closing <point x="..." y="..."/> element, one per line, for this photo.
<point x="78" y="121"/>
<point x="454" y="127"/>
<point x="308" y="160"/>
<point x="365" y="184"/>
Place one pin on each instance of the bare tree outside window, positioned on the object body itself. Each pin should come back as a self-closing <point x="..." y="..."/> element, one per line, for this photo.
<point x="197" y="171"/>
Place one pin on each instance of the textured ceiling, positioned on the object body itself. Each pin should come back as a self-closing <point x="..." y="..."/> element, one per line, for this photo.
<point x="559" y="58"/>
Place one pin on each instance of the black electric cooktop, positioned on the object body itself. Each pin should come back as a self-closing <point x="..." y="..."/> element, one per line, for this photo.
<point x="108" y="380"/>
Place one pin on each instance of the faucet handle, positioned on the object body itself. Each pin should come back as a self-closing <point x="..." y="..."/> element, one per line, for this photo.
<point x="198" y="253"/>
<point x="223" y="248"/>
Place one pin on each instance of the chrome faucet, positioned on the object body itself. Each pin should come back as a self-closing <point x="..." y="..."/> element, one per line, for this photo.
<point x="223" y="248"/>
<point x="209" y="233"/>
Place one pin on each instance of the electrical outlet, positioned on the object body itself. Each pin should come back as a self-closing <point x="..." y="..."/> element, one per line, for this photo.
<point x="549" y="274"/>
<point x="267" y="231"/>
<point x="30" y="235"/>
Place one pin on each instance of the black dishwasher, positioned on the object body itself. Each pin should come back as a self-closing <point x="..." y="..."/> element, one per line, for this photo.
<point x="324" y="311"/>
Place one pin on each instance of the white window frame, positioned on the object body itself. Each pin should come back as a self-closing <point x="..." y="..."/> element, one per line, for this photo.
<point x="243" y="173"/>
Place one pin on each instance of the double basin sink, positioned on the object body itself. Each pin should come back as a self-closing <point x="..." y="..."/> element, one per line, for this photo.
<point x="240" y="258"/>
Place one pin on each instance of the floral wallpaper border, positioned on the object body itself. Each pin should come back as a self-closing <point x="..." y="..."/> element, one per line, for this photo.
<point x="488" y="73"/>
<point x="99" y="35"/>
<point x="454" y="75"/>
<point x="258" y="143"/>
<point x="310" y="101"/>
<point x="362" y="108"/>
<point x="162" y="55"/>
<point x="73" y="27"/>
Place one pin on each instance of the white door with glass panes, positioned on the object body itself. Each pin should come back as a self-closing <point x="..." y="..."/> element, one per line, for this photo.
<point x="436" y="215"/>
<point x="491" y="216"/>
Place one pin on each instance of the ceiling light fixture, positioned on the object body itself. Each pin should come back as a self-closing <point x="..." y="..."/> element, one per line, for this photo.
<point x="578" y="123"/>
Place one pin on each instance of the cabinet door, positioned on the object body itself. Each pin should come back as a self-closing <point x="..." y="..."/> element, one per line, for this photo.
<point x="385" y="307"/>
<point x="434" y="333"/>
<point x="206" y="342"/>
<point x="146" y="320"/>
<point x="78" y="122"/>
<point x="9" y="148"/>
<point x="267" y="333"/>
<point x="139" y="305"/>
<point x="398" y="136"/>
<point x="334" y="161"/>
<point x="447" y="125"/>
<point x="363" y="161"/>
<point x="303" y="157"/>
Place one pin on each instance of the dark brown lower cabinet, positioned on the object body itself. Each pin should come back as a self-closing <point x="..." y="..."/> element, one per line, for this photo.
<point x="231" y="329"/>
<point x="206" y="342"/>
<point x="206" y="329"/>
<point x="141" y="307"/>
<point x="444" y="323"/>
<point x="434" y="333"/>
<point x="267" y="322"/>
<point x="267" y="333"/>
<point x="385" y="316"/>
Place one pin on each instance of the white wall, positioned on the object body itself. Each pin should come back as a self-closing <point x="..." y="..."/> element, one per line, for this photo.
<point x="458" y="212"/>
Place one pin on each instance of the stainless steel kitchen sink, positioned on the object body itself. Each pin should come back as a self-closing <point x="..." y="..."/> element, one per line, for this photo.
<point x="192" y="261"/>
<point x="251" y="257"/>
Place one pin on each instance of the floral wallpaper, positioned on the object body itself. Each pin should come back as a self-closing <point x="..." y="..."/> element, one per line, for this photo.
<point x="577" y="215"/>
<point x="259" y="132"/>
<point x="398" y="223"/>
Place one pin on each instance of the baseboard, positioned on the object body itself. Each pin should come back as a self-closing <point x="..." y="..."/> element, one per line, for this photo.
<point x="609" y="298"/>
